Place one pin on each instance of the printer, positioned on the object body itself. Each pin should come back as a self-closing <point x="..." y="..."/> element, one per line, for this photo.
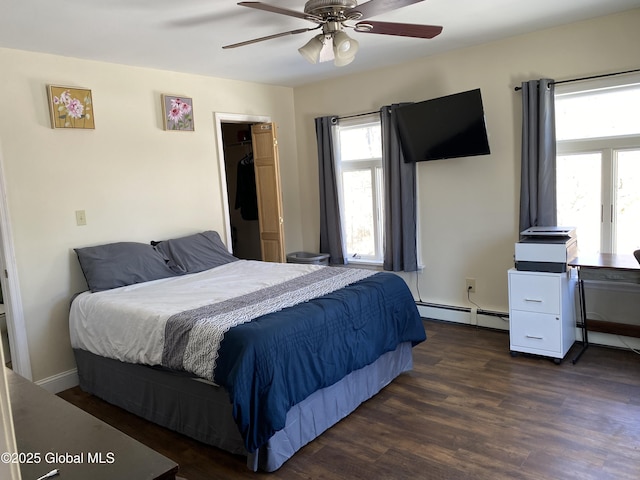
<point x="546" y="249"/>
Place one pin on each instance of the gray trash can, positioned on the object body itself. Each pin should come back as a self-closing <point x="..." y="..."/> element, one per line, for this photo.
<point x="308" y="258"/>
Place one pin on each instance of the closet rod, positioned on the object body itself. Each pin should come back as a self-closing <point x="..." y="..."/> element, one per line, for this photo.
<point x="589" y="78"/>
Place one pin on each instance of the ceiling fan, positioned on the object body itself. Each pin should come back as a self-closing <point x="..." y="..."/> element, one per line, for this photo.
<point x="333" y="16"/>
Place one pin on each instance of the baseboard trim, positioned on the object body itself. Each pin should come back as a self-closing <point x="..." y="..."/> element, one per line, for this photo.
<point x="60" y="382"/>
<point x="498" y="321"/>
<point x="466" y="315"/>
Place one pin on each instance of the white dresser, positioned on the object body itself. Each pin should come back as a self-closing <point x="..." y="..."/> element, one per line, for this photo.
<point x="542" y="313"/>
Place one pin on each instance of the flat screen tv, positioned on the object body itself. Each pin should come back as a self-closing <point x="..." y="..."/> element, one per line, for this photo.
<point x="445" y="127"/>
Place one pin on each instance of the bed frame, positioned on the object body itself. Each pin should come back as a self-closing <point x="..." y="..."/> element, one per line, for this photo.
<point x="202" y="411"/>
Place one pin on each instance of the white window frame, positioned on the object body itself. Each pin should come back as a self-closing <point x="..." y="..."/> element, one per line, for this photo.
<point x="374" y="165"/>
<point x="607" y="148"/>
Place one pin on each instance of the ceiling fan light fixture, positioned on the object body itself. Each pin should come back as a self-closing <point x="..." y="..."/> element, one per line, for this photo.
<point x="344" y="48"/>
<point x="311" y="50"/>
<point x="341" y="62"/>
<point x="333" y="16"/>
<point x="327" y="55"/>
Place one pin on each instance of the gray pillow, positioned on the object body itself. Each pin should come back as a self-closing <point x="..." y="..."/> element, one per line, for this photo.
<point x="119" y="264"/>
<point x="195" y="253"/>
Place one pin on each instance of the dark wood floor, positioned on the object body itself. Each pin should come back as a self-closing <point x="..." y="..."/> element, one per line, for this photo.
<point x="468" y="410"/>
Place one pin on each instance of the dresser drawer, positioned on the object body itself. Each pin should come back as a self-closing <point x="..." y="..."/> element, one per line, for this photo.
<point x="534" y="292"/>
<point x="535" y="331"/>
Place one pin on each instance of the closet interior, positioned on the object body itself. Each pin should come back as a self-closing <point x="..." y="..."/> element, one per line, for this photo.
<point x="241" y="190"/>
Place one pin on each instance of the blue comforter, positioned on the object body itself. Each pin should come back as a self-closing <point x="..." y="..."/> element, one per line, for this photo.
<point x="271" y="363"/>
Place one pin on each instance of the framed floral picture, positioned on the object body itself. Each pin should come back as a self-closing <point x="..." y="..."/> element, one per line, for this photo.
<point x="70" y="107"/>
<point x="177" y="113"/>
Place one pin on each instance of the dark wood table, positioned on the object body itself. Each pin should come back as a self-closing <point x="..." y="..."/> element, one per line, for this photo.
<point x="604" y="267"/>
<point x="53" y="434"/>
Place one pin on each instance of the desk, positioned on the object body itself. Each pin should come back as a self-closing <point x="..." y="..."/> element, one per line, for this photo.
<point x="52" y="428"/>
<point x="604" y="267"/>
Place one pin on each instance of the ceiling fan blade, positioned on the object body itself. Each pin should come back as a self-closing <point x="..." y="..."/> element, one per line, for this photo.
<point x="399" y="29"/>
<point x="378" y="7"/>
<point x="269" y="37"/>
<point x="283" y="11"/>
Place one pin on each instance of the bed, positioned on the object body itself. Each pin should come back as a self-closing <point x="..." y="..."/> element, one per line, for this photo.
<point x="253" y="357"/>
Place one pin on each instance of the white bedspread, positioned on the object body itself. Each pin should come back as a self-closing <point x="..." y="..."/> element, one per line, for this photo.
<point x="128" y="323"/>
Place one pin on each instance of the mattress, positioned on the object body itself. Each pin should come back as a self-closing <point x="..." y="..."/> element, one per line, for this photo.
<point x="128" y="323"/>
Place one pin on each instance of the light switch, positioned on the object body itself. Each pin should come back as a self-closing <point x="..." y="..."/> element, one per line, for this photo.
<point x="81" y="217"/>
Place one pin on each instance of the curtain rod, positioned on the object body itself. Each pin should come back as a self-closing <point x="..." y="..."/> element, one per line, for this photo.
<point x="358" y="115"/>
<point x="589" y="78"/>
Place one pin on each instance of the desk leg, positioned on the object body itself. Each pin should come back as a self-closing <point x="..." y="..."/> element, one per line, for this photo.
<point x="583" y="315"/>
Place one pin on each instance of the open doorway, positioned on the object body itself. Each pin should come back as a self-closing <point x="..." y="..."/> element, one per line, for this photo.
<point x="241" y="190"/>
<point x="4" y="333"/>
<point x="264" y="147"/>
<point x="13" y="331"/>
<point x="232" y="122"/>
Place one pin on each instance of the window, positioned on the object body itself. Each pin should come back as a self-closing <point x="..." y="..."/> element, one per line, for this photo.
<point x="359" y="171"/>
<point x="598" y="164"/>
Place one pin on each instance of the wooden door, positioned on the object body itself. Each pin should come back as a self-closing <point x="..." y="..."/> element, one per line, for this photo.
<point x="267" y="168"/>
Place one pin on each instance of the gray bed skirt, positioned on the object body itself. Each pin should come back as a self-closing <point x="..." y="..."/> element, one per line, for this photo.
<point x="203" y="411"/>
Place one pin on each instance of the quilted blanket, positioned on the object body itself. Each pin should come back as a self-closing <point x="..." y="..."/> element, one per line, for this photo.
<point x="270" y="364"/>
<point x="192" y="337"/>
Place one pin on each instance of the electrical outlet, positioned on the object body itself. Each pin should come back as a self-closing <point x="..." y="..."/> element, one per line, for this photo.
<point x="471" y="285"/>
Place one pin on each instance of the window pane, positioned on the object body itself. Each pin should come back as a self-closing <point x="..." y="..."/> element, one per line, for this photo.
<point x="628" y="202"/>
<point x="579" y="203"/>
<point x="361" y="143"/>
<point x="358" y="212"/>
<point x="604" y="113"/>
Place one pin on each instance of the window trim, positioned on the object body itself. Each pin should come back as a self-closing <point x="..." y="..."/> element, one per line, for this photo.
<point x="606" y="147"/>
<point x="375" y="166"/>
<point x="585" y="86"/>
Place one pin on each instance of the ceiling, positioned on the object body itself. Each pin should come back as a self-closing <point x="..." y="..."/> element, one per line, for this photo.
<point x="188" y="35"/>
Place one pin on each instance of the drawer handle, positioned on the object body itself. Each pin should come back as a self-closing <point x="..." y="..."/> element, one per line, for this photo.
<point x="532" y="300"/>
<point x="535" y="337"/>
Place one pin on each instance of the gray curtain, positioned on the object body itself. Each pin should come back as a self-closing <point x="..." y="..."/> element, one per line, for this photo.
<point x="400" y="244"/>
<point x="538" y="174"/>
<point x="331" y="240"/>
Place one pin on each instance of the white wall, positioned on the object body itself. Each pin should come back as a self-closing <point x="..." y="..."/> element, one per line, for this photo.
<point x="468" y="207"/>
<point x="135" y="181"/>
